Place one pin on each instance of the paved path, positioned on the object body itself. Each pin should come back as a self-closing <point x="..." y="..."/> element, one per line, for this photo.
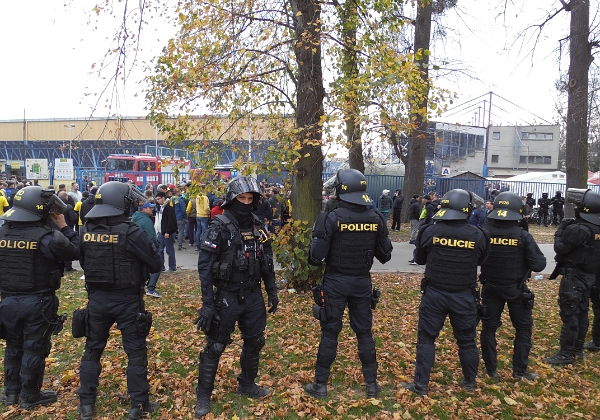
<point x="187" y="259"/>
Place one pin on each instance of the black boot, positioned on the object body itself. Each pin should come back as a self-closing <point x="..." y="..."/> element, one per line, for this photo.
<point x="9" y="399"/>
<point x="86" y="411"/>
<point x="316" y="390"/>
<point x="141" y="410"/>
<point x="372" y="389"/>
<point x="40" y="398"/>
<point x="591" y="346"/>
<point x="419" y="389"/>
<point x="252" y="391"/>
<point x="202" y="407"/>
<point x="563" y="357"/>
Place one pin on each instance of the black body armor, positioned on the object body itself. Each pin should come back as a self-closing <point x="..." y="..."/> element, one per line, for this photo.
<point x="243" y="260"/>
<point x="452" y="263"/>
<point x="353" y="247"/>
<point x="24" y="268"/>
<point x="506" y="263"/>
<point x="107" y="260"/>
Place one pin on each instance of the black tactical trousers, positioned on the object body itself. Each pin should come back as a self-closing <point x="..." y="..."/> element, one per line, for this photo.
<point x="595" y="299"/>
<point x="434" y="307"/>
<point x="574" y="300"/>
<point x="250" y="315"/>
<point x="493" y="297"/>
<point x="544" y="217"/>
<point x="26" y="348"/>
<point x="557" y="216"/>
<point x="105" y="308"/>
<point x="354" y="292"/>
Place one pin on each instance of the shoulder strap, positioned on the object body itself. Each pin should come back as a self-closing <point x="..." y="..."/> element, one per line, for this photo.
<point x="225" y="221"/>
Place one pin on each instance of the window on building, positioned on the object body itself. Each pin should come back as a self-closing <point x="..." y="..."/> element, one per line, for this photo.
<point x="496" y="135"/>
<point x="549" y="136"/>
<point x="522" y="159"/>
<point x="531" y="159"/>
<point x="541" y="136"/>
<point x="547" y="159"/>
<point x="524" y="136"/>
<point x="495" y="158"/>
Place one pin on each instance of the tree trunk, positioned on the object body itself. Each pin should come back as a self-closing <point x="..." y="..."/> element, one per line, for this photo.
<point x="306" y="180"/>
<point x="351" y="99"/>
<point x="414" y="175"/>
<point x="580" y="59"/>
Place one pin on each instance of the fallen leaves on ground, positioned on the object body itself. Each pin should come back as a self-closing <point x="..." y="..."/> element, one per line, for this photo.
<point x="288" y="358"/>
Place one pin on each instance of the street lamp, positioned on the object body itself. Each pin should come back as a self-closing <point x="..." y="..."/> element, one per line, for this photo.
<point x="70" y="128"/>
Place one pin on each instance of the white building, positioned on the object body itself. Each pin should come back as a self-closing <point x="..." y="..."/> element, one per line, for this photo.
<point x="452" y="149"/>
<point x="521" y="149"/>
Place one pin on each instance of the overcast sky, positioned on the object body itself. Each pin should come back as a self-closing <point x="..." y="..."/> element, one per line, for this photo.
<point x="49" y="49"/>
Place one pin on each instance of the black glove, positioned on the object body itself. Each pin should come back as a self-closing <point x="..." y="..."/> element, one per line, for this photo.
<point x="272" y="302"/>
<point x="205" y="318"/>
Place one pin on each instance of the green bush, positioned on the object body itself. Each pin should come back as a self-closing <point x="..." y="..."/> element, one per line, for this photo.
<point x="290" y="247"/>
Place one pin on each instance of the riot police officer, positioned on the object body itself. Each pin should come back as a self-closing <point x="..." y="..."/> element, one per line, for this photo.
<point x="594" y="345"/>
<point x="117" y="258"/>
<point x="347" y="239"/>
<point x="32" y="258"/>
<point x="577" y="247"/>
<point x="514" y="254"/>
<point x="543" y="205"/>
<point x="558" y="204"/>
<point x="452" y="249"/>
<point x="235" y="254"/>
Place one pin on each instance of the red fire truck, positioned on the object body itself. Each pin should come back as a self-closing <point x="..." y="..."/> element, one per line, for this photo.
<point x="144" y="169"/>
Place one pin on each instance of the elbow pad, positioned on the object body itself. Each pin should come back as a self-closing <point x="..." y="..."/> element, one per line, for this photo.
<point x="318" y="251"/>
<point x="319" y="226"/>
<point x="384" y="253"/>
<point x="59" y="240"/>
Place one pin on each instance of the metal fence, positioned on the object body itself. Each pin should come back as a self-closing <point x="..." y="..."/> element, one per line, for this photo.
<point x="375" y="183"/>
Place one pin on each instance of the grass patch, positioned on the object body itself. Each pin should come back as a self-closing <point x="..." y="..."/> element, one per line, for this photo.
<point x="288" y="358"/>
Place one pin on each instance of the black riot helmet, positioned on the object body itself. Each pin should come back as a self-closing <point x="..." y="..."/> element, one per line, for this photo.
<point x="507" y="206"/>
<point x="351" y="186"/>
<point x="587" y="203"/>
<point x="32" y="204"/>
<point x="115" y="199"/>
<point x="456" y="205"/>
<point x="240" y="185"/>
<point x="544" y="195"/>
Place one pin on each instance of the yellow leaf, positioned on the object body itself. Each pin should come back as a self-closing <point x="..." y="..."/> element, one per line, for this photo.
<point x="299" y="13"/>
<point x="373" y="401"/>
<point x="510" y="401"/>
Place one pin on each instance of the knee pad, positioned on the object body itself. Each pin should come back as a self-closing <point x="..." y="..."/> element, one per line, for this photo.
<point x="255" y="344"/>
<point x="366" y="343"/>
<point x="138" y="358"/>
<point x="214" y="350"/>
<point x="92" y="355"/>
<point x="424" y="338"/>
<point x="37" y="348"/>
<point x="463" y="343"/>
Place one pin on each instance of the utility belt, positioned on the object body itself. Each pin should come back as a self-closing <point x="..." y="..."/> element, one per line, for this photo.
<point x="246" y="289"/>
<point x="322" y="309"/>
<point x="111" y="289"/>
<point x="44" y="293"/>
